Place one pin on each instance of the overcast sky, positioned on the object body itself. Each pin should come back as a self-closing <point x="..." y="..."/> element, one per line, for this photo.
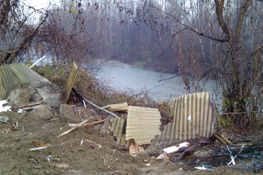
<point x="38" y="4"/>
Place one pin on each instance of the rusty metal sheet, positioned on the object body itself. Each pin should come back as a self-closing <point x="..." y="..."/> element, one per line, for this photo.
<point x="13" y="76"/>
<point x="194" y="116"/>
<point x="142" y="124"/>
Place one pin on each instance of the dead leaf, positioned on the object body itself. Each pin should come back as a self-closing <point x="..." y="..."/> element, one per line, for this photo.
<point x="41" y="144"/>
<point x="134" y="148"/>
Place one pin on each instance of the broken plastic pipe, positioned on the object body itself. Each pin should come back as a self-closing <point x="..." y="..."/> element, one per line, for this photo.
<point x="36" y="62"/>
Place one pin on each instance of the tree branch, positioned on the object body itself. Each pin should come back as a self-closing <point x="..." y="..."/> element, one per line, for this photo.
<point x="219" y="12"/>
<point x="22" y="45"/>
<point x="186" y="26"/>
<point x="242" y="13"/>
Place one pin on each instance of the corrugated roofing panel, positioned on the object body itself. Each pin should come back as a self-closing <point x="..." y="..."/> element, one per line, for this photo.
<point x="142" y="124"/>
<point x="194" y="116"/>
<point x="13" y="76"/>
<point x="117" y="129"/>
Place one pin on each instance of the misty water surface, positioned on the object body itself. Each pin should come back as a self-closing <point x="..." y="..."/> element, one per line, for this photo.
<point x="136" y="80"/>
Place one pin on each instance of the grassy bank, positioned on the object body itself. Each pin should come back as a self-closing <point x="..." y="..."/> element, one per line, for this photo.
<point x="99" y="93"/>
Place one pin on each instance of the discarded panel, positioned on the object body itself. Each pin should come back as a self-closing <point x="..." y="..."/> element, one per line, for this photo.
<point x="194" y="116"/>
<point x="71" y="80"/>
<point x="117" y="129"/>
<point x="13" y="76"/>
<point x="142" y="124"/>
<point x="122" y="107"/>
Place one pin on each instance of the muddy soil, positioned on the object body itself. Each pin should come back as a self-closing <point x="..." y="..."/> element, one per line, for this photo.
<point x="82" y="151"/>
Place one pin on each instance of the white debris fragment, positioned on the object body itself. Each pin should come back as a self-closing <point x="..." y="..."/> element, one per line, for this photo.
<point x="19" y="111"/>
<point x="4" y="108"/>
<point x="36" y="62"/>
<point x="172" y="149"/>
<point x="49" y="158"/>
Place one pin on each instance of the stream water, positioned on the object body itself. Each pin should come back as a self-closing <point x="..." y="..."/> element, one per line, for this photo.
<point x="158" y="85"/>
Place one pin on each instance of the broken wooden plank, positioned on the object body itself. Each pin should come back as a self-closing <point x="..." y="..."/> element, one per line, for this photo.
<point x="121" y="107"/>
<point x="71" y="80"/>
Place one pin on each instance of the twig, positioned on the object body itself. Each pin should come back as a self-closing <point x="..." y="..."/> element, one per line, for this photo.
<point x="38" y="148"/>
<point x="8" y="98"/>
<point x="236" y="113"/>
<point x="168" y="78"/>
<point x="78" y="125"/>
<point x="93" y="123"/>
<point x="29" y="105"/>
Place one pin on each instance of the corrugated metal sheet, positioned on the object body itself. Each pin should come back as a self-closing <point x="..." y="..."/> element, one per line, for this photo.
<point x="117" y="129"/>
<point x="13" y="76"/>
<point x="194" y="115"/>
<point x="142" y="124"/>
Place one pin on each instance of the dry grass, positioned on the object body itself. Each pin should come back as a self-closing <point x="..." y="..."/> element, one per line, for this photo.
<point x="97" y="92"/>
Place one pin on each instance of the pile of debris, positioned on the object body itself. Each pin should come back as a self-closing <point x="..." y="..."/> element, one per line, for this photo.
<point x="194" y="123"/>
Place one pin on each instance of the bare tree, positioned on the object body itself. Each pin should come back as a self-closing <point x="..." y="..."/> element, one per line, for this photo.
<point x="238" y="60"/>
<point x="16" y="33"/>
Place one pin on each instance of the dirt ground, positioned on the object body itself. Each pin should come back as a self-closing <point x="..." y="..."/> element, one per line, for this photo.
<point x="82" y="151"/>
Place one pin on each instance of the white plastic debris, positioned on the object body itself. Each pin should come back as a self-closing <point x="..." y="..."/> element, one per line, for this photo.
<point x="204" y="167"/>
<point x="36" y="62"/>
<point x="4" y="108"/>
<point x="49" y="158"/>
<point x="172" y="149"/>
<point x="19" y="111"/>
<point x="201" y="168"/>
<point x="84" y="104"/>
<point x="4" y="119"/>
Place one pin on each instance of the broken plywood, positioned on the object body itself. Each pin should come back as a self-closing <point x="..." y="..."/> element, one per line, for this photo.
<point x="121" y="107"/>
<point x="142" y="124"/>
<point x="194" y="116"/>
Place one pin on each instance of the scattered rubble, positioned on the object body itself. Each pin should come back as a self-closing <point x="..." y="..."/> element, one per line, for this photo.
<point x="42" y="109"/>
